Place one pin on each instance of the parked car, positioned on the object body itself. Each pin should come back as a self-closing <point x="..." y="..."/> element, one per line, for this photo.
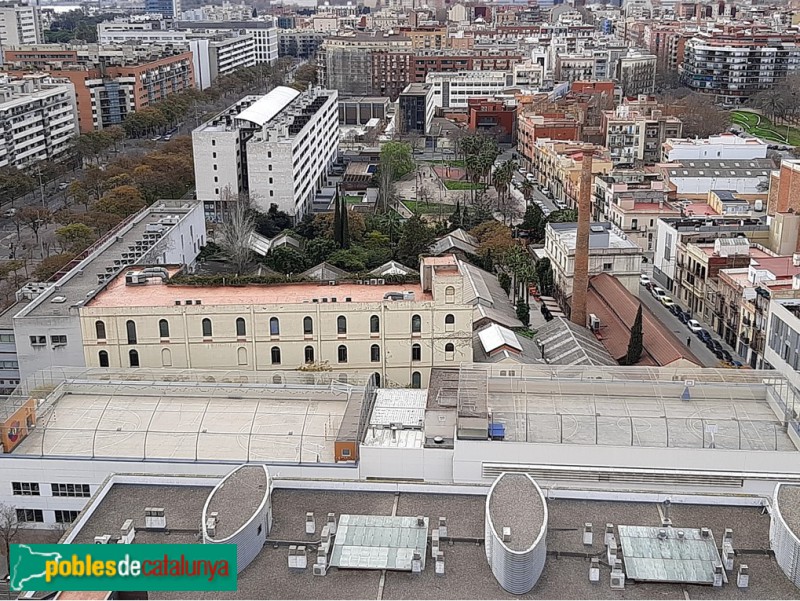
<point x="63" y="185"/>
<point x="703" y="335"/>
<point x="529" y="177"/>
<point x="736" y="364"/>
<point x="657" y="292"/>
<point x="521" y="170"/>
<point x="709" y="342"/>
<point x="718" y="354"/>
<point x="683" y="317"/>
<point x="675" y="309"/>
<point x="727" y="356"/>
<point x="694" y="326"/>
<point x="644" y="279"/>
<point x="716" y="344"/>
<point x="666" y="301"/>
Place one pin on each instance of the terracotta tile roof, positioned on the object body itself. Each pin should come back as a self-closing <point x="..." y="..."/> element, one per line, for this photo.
<point x="616" y="308"/>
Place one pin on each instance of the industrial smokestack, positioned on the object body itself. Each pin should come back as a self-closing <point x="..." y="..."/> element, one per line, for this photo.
<point x="580" y="281"/>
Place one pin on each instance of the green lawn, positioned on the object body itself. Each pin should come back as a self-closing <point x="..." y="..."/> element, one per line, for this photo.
<point x="461" y="185"/>
<point x="761" y="126"/>
<point x="451" y="163"/>
<point x="353" y="199"/>
<point x="431" y="208"/>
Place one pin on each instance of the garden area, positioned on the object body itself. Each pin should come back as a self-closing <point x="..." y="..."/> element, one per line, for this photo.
<point x="429" y="208"/>
<point x="761" y="126"/>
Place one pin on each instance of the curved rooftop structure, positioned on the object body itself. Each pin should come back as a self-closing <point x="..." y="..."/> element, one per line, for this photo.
<point x="785" y="530"/>
<point x="265" y="109"/>
<point x="516" y="531"/>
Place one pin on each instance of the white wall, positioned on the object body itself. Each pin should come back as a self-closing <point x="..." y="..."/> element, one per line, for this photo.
<point x="210" y="183"/>
<point x="201" y="62"/>
<point x="702" y="185"/>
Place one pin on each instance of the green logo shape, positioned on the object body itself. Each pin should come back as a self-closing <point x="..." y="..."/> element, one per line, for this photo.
<point x="118" y="567"/>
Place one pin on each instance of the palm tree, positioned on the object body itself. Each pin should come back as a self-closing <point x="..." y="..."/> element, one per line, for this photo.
<point x="526" y="187"/>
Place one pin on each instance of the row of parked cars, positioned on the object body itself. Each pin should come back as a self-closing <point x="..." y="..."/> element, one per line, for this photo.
<point x="694" y="326"/>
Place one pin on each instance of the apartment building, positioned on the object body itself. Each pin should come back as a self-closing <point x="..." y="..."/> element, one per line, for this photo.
<point x="454" y="89"/>
<point x="45" y="318"/>
<point x="721" y="147"/>
<point x="608" y="253"/>
<point x="221" y="55"/>
<point x="528" y="74"/>
<point x="636" y="73"/>
<point x="782" y="334"/>
<point x="399" y="333"/>
<point x="120" y="31"/>
<point x="735" y="62"/>
<point x="38" y="120"/>
<point x="263" y="31"/>
<point x="300" y="43"/>
<point x="277" y="148"/>
<point x="168" y="9"/>
<point x="699" y="177"/>
<point x="556" y="165"/>
<point x="110" y="81"/>
<point x="415" y="109"/>
<point x="634" y="201"/>
<point x="478" y="59"/>
<point x="553" y="126"/>
<point x="636" y="129"/>
<point x="19" y="25"/>
<point x="496" y="116"/>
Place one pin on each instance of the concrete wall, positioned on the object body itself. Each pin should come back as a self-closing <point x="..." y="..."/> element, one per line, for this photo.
<point x="214" y="147"/>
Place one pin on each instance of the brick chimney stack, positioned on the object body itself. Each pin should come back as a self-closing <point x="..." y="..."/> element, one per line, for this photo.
<point x="580" y="280"/>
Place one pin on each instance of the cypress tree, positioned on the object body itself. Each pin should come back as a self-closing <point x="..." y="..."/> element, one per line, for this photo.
<point x="345" y="226"/>
<point x="337" y="223"/>
<point x="635" y="344"/>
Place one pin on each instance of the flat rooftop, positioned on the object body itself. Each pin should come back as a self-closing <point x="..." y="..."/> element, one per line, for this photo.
<point x="158" y="294"/>
<point x="79" y="284"/>
<point x="467" y="573"/>
<point x="192" y="421"/>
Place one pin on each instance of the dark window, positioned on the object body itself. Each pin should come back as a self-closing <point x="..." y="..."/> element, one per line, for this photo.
<point x="308" y="325"/>
<point x="341" y="325"/>
<point x="207" y="330"/>
<point x="133" y="358"/>
<point x="276" y="355"/>
<point x="163" y="328"/>
<point x="241" y="328"/>
<point x="376" y="377"/>
<point x="416" y="380"/>
<point x="374" y="324"/>
<point x="30" y="515"/>
<point x="416" y="323"/>
<point x="342" y="354"/>
<point x="130" y="327"/>
<point x="309" y="354"/>
<point x="416" y="352"/>
<point x="449" y="348"/>
<point x="66" y="516"/>
<point x="375" y="353"/>
<point x="274" y="326"/>
<point x="25" y="489"/>
<point x="70" y="490"/>
<point x="103" y="358"/>
<point x="449" y="319"/>
<point x="100" y="330"/>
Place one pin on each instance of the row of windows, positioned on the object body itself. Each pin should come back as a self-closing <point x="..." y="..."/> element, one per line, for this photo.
<point x="62" y="516"/>
<point x="275" y="355"/>
<point x="241" y="327"/>
<point x="31" y="489"/>
<point x="42" y="340"/>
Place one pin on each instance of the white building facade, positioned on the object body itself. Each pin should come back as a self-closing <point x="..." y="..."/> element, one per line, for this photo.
<point x="721" y="147"/>
<point x="453" y="90"/>
<point x="19" y="25"/>
<point x="220" y="55"/>
<point x="38" y="119"/>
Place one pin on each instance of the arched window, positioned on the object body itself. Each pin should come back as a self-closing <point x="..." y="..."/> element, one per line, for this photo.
<point x="100" y="330"/>
<point x="416" y="324"/>
<point x="276" y="355"/>
<point x="133" y="358"/>
<point x="416" y="380"/>
<point x="241" y="356"/>
<point x="274" y="326"/>
<point x="416" y="352"/>
<point x="308" y="326"/>
<point x="163" y="328"/>
<point x="207" y="329"/>
<point x="343" y="378"/>
<point x="449" y="322"/>
<point x="103" y="358"/>
<point x="241" y="327"/>
<point x="130" y="327"/>
<point x="449" y="351"/>
<point x="376" y="377"/>
<point x="374" y="324"/>
<point x="342" y="353"/>
<point x="309" y="354"/>
<point x="166" y="357"/>
<point x="341" y="325"/>
<point x="450" y="295"/>
<point x="277" y="379"/>
<point x="374" y="353"/>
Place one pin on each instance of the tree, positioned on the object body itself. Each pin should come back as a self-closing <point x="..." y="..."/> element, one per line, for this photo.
<point x="286" y="259"/>
<point x="415" y="240"/>
<point x="397" y="158"/>
<point x="9" y="528"/>
<point x="34" y="218"/>
<point x="235" y="233"/>
<point x="523" y="312"/>
<point x="122" y="201"/>
<point x="8" y="272"/>
<point x="50" y="265"/>
<point x="77" y="194"/>
<point x="535" y="223"/>
<point x="700" y="116"/>
<point x="635" y="343"/>
<point x="544" y="277"/>
<point x="305" y="74"/>
<point x="15" y="183"/>
<point x="563" y="216"/>
<point x="319" y="249"/>
<point x="75" y="237"/>
<point x="505" y="281"/>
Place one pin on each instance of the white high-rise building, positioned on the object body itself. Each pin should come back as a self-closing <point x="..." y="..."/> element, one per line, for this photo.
<point x="19" y="25"/>
<point x="38" y="118"/>
<point x="276" y="147"/>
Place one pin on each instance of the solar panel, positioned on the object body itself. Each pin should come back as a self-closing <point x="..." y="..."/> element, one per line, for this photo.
<point x="375" y="542"/>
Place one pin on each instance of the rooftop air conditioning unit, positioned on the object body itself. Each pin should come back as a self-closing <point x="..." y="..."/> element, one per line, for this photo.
<point x="594" y="322"/>
<point x="102" y="540"/>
